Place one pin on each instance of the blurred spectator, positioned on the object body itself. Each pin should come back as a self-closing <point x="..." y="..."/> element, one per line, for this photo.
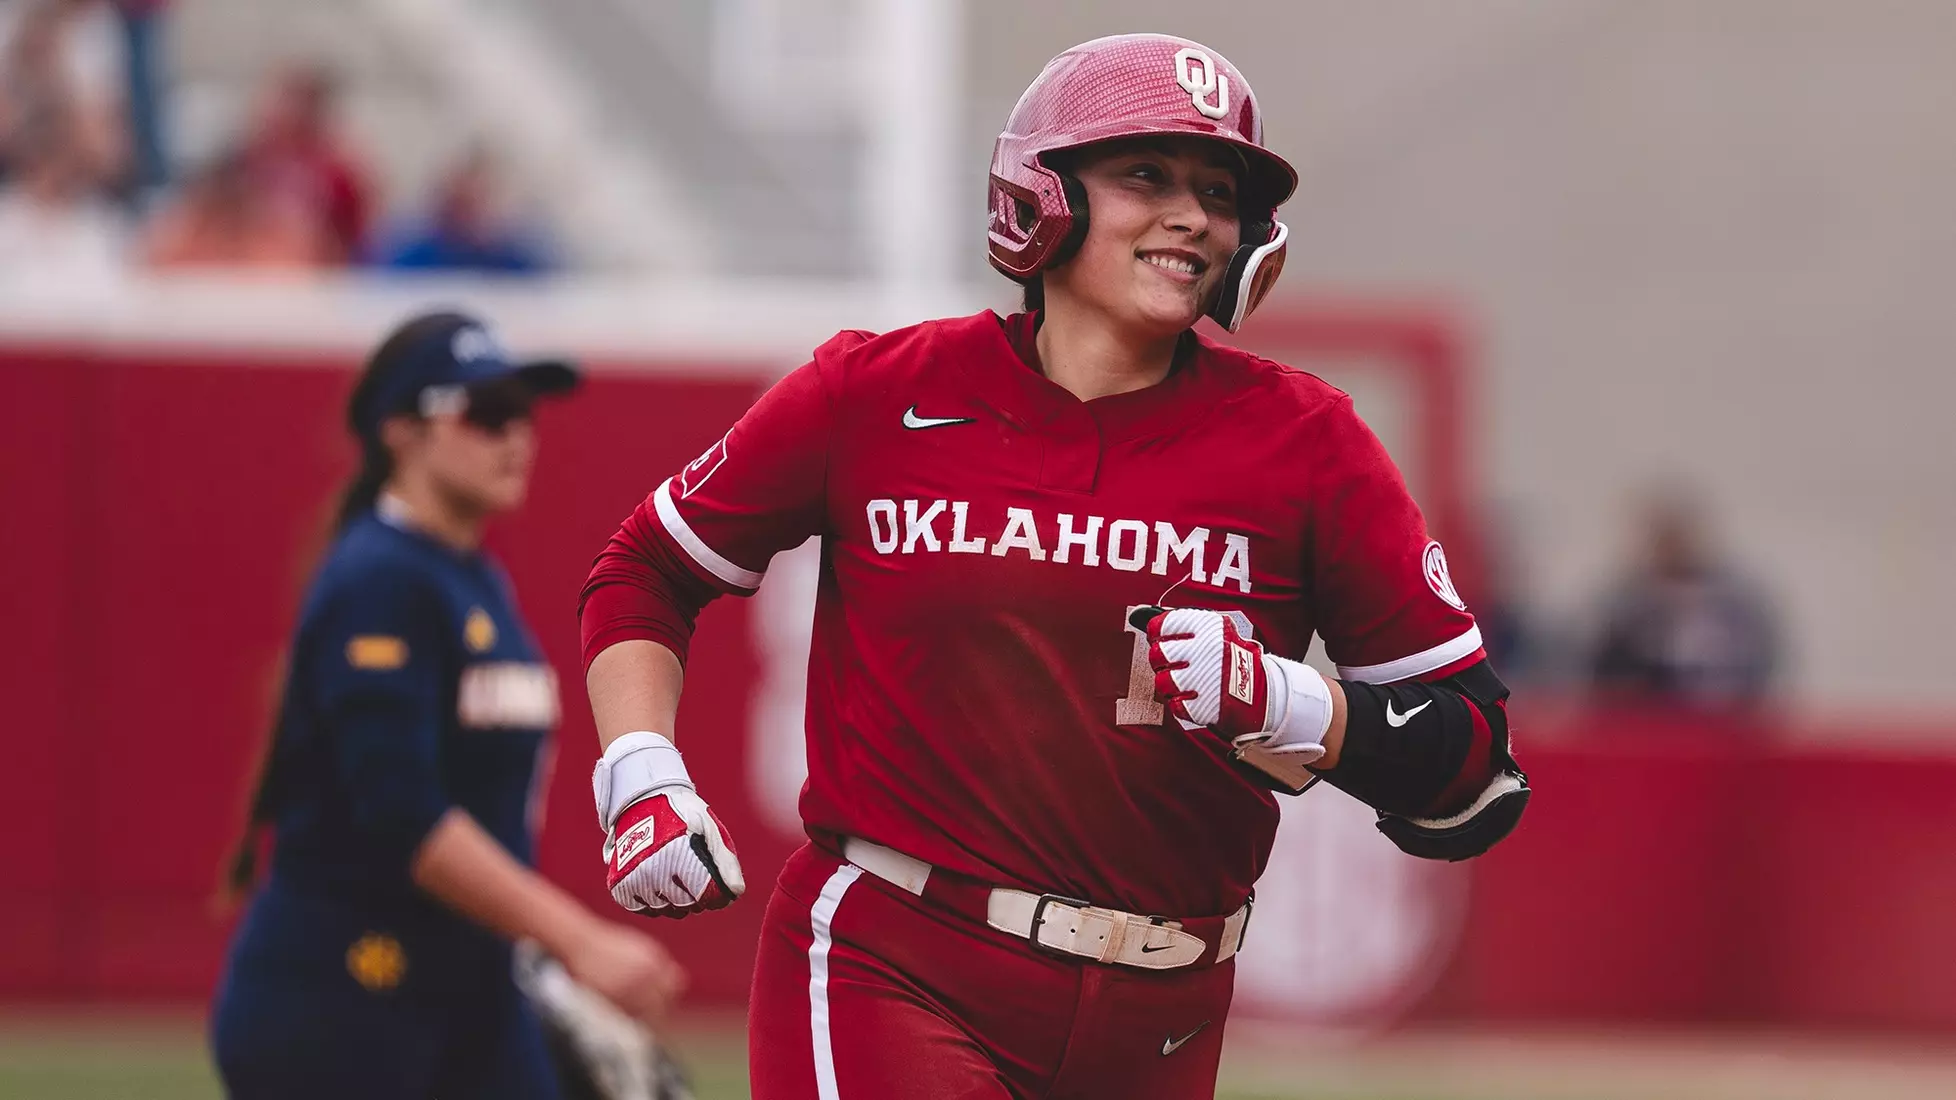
<point x="53" y="220"/>
<point x="61" y="89"/>
<point x="470" y="228"/>
<point x="1683" y="626"/>
<point x="224" y="219"/>
<point x="295" y="152"/>
<point x="143" y="86"/>
<point x="1511" y="631"/>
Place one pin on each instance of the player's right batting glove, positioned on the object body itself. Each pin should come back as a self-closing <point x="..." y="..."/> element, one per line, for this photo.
<point x="1211" y="672"/>
<point x="665" y="852"/>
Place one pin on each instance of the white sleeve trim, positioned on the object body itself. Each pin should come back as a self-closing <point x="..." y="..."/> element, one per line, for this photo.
<point x="693" y="545"/>
<point x="1419" y="664"/>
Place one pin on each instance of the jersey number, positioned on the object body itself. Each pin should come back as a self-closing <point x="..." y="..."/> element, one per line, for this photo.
<point x="1139" y="706"/>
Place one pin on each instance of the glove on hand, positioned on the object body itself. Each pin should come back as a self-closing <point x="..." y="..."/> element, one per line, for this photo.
<point x="665" y="852"/>
<point x="1211" y="672"/>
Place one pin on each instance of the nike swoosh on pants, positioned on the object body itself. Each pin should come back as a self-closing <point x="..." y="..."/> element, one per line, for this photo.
<point x="1172" y="1044"/>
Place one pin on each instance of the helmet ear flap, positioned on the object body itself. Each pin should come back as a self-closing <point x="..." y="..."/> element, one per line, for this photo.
<point x="1253" y="270"/>
<point x="1076" y="205"/>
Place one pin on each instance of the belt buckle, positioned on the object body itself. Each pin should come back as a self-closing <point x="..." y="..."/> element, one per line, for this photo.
<point x="1039" y="918"/>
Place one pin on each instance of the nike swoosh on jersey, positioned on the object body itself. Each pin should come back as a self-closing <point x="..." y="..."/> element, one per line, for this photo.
<point x="1395" y="719"/>
<point x="1172" y="1044"/>
<point x="912" y="421"/>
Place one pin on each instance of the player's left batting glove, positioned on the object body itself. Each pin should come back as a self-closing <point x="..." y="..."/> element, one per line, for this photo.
<point x="1211" y="672"/>
<point x="665" y="853"/>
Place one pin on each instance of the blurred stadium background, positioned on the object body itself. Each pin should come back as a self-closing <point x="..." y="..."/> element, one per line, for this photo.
<point x="1648" y="296"/>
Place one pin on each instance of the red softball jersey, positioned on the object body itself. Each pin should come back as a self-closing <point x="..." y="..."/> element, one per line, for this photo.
<point x="976" y="696"/>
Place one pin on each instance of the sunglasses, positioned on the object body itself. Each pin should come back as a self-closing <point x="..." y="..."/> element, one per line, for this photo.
<point x="490" y="406"/>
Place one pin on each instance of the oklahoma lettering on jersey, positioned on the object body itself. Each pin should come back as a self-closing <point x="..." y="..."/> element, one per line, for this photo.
<point x="976" y="697"/>
<point x="1073" y="540"/>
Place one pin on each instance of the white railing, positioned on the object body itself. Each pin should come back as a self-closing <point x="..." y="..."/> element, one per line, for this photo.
<point x="679" y="321"/>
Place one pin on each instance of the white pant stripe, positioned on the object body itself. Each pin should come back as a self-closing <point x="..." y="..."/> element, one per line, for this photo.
<point x="822" y="918"/>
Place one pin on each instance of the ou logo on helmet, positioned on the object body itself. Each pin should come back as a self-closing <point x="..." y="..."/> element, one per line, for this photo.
<point x="1201" y="77"/>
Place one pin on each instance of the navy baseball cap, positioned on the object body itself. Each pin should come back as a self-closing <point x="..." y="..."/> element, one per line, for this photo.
<point x="430" y="362"/>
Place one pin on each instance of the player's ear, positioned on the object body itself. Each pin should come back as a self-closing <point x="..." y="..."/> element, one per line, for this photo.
<point x="402" y="434"/>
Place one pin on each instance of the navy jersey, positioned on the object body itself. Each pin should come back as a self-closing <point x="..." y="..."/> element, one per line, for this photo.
<point x="415" y="687"/>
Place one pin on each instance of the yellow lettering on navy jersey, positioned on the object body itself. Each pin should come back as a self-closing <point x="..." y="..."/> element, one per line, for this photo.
<point x="376" y="652"/>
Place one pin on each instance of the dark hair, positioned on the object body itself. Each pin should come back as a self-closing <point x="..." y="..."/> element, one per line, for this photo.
<point x="363" y="420"/>
<point x="376" y="466"/>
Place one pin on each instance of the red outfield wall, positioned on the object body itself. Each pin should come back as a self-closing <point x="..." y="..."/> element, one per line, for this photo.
<point x="159" y="516"/>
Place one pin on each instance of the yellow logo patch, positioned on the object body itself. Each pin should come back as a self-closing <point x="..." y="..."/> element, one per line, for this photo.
<point x="480" y="631"/>
<point x="376" y="652"/>
<point x="377" y="962"/>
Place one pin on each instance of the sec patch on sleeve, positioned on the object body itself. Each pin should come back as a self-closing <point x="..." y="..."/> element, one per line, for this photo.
<point x="376" y="652"/>
<point x="698" y="471"/>
<point x="1434" y="564"/>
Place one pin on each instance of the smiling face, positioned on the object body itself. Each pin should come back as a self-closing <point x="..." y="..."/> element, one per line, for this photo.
<point x="1162" y="228"/>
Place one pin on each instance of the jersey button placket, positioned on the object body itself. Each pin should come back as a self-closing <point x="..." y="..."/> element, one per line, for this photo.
<point x="1070" y="459"/>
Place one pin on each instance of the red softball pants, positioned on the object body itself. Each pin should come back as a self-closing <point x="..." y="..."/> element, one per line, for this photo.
<point x="863" y="991"/>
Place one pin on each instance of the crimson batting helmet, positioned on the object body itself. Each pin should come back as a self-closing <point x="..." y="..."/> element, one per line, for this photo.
<point x="1134" y="85"/>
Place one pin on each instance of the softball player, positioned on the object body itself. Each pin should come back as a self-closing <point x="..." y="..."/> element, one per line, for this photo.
<point x="1070" y="560"/>
<point x="403" y="772"/>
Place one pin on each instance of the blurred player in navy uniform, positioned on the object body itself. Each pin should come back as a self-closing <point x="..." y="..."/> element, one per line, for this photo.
<point x="404" y="772"/>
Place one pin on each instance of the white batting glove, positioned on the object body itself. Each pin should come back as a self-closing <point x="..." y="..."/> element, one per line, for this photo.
<point x="1211" y="672"/>
<point x="665" y="852"/>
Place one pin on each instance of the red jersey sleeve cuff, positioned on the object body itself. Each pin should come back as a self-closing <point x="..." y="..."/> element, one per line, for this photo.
<point x="642" y="586"/>
<point x="734" y="577"/>
<point x="1456" y="653"/>
<point x="620" y="613"/>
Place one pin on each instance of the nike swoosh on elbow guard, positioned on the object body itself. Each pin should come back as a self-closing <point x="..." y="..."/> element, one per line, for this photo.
<point x="1395" y="719"/>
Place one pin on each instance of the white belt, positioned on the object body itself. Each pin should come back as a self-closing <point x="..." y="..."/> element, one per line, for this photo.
<point x="1061" y="924"/>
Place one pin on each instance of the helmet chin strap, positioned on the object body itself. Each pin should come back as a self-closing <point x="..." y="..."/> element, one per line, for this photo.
<point x="1252" y="272"/>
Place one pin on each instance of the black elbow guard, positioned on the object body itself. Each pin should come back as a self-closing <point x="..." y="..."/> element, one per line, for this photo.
<point x="1468" y="833"/>
<point x="1433" y="760"/>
